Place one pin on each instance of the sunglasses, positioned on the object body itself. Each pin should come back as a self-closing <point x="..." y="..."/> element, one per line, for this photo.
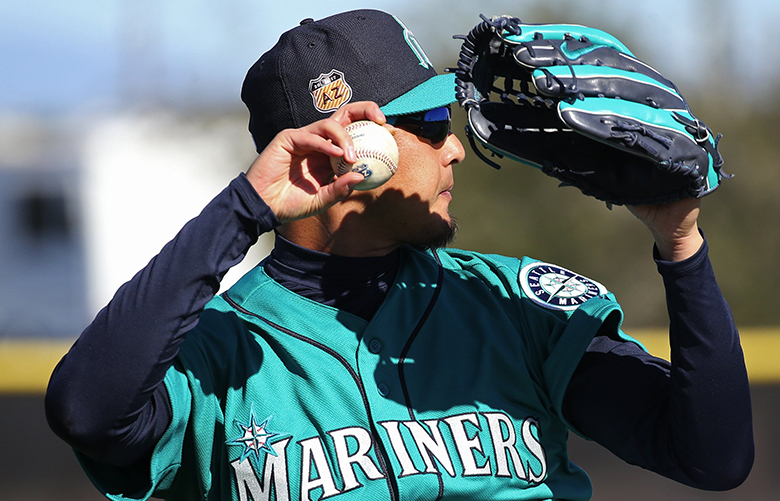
<point x="434" y="125"/>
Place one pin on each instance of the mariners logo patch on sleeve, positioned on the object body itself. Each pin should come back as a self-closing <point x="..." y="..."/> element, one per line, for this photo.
<point x="557" y="288"/>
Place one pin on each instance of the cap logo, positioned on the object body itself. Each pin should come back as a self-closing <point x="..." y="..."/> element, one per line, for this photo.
<point x="413" y="44"/>
<point x="330" y="91"/>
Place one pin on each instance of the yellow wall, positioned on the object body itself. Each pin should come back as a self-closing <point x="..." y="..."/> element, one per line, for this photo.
<point x="25" y="366"/>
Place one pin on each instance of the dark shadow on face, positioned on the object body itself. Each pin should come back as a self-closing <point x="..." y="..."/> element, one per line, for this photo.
<point x="400" y="218"/>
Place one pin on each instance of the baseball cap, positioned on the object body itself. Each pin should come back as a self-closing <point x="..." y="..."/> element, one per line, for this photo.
<point x="318" y="66"/>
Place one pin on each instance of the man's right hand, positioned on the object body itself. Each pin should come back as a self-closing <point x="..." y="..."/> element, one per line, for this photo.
<point x="293" y="175"/>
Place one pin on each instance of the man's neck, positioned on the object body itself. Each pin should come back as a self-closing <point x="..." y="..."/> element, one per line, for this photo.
<point x="355" y="285"/>
<point x="316" y="233"/>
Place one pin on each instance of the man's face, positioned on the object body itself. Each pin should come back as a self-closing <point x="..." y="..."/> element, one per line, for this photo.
<point x="413" y="206"/>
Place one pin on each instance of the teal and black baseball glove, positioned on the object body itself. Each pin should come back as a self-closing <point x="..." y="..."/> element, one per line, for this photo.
<point x="576" y="103"/>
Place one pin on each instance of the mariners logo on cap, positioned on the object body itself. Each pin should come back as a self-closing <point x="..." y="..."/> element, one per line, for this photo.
<point x="557" y="288"/>
<point x="330" y="91"/>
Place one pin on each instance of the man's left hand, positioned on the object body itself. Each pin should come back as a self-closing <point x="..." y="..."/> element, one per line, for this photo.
<point x="674" y="227"/>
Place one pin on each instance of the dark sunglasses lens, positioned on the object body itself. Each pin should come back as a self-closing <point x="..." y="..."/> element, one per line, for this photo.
<point x="435" y="131"/>
<point x="433" y="125"/>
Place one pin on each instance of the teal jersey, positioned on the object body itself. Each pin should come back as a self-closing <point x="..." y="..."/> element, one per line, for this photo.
<point x="452" y="391"/>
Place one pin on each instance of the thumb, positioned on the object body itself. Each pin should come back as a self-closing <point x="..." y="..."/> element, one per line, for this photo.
<point x="339" y="189"/>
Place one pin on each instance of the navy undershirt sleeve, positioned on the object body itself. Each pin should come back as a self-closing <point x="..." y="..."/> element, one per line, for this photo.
<point x="689" y="420"/>
<point x="106" y="397"/>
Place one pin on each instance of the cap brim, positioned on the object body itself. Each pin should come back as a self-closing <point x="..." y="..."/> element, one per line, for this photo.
<point x="433" y="93"/>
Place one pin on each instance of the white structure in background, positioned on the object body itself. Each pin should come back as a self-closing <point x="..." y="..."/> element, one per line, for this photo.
<point x="144" y="178"/>
<point x="77" y="221"/>
<point x="42" y="267"/>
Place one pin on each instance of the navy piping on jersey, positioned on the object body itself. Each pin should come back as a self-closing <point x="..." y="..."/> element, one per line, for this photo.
<point x="408" y="346"/>
<point x="382" y="456"/>
<point x="415" y="332"/>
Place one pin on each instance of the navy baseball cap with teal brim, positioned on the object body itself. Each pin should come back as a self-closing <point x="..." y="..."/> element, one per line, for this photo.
<point x="319" y="66"/>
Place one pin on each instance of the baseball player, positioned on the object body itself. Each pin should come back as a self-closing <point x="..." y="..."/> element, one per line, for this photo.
<point x="362" y="359"/>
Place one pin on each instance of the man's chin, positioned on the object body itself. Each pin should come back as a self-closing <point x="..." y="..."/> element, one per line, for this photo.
<point x="440" y="236"/>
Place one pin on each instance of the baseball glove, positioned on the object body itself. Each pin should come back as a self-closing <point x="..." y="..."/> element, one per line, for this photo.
<point x="575" y="102"/>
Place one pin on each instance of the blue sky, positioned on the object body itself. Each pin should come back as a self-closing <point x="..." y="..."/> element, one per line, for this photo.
<point x="58" y="57"/>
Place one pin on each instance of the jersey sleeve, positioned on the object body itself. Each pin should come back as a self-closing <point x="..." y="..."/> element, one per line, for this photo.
<point x="213" y="357"/>
<point x="557" y="313"/>
<point x="157" y="475"/>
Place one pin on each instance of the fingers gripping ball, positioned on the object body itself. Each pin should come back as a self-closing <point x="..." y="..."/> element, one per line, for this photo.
<point x="377" y="154"/>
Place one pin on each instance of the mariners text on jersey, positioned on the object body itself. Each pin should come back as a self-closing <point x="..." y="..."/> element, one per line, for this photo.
<point x="482" y="444"/>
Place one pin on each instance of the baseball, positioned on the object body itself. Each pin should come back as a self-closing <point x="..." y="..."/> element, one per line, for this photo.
<point x="377" y="154"/>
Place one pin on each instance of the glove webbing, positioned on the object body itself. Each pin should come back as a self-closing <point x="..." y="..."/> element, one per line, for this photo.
<point x="468" y="53"/>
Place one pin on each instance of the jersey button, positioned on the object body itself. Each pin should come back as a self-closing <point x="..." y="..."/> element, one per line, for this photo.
<point x="375" y="346"/>
<point x="383" y="389"/>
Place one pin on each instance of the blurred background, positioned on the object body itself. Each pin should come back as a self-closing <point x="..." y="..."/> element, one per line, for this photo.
<point x="120" y="119"/>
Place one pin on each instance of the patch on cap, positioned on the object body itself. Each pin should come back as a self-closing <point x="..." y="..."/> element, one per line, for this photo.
<point x="330" y="91"/>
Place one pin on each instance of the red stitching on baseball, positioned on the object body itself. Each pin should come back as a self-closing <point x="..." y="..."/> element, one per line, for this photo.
<point x="377" y="155"/>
